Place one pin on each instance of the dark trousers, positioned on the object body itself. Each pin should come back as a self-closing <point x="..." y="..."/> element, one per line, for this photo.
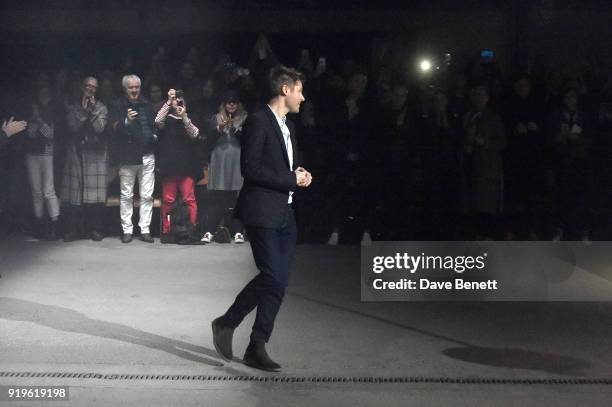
<point x="221" y="205"/>
<point x="273" y="250"/>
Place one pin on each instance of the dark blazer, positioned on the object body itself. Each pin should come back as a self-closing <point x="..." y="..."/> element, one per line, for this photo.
<point x="129" y="143"/>
<point x="265" y="167"/>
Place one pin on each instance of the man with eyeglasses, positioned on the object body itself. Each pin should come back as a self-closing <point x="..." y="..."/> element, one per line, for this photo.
<point x="85" y="177"/>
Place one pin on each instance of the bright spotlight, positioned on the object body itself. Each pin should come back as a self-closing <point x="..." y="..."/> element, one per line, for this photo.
<point x="425" y="65"/>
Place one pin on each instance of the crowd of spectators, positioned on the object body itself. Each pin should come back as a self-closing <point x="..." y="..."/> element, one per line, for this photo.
<point x="463" y="152"/>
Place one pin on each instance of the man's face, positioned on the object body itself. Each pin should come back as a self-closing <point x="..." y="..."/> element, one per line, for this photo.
<point x="132" y="89"/>
<point x="90" y="86"/>
<point x="294" y="97"/>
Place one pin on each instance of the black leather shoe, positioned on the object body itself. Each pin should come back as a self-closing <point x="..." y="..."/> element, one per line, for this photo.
<point x="96" y="236"/>
<point x="222" y="339"/>
<point x="146" y="237"/>
<point x="257" y="357"/>
<point x="126" y="238"/>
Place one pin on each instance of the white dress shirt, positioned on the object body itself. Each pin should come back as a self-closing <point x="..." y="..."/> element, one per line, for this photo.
<point x="287" y="136"/>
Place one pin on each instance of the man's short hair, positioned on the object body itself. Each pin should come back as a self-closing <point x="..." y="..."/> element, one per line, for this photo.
<point x="282" y="75"/>
<point x="127" y="78"/>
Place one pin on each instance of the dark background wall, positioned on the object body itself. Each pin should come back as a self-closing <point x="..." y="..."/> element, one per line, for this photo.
<point x="521" y="32"/>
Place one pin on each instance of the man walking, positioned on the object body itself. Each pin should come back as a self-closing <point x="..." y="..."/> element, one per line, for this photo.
<point x="268" y="165"/>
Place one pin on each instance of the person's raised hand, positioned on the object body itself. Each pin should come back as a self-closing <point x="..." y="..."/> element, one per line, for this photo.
<point x="12" y="127"/>
<point x="171" y="96"/>
<point x="222" y="121"/>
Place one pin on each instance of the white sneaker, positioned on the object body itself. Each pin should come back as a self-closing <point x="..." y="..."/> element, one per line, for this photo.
<point x="207" y="238"/>
<point x="238" y="238"/>
<point x="333" y="239"/>
<point x="366" y="239"/>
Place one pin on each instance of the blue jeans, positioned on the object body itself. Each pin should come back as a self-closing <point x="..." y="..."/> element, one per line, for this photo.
<point x="273" y="251"/>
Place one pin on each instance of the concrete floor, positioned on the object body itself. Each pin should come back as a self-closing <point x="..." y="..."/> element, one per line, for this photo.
<point x="111" y="309"/>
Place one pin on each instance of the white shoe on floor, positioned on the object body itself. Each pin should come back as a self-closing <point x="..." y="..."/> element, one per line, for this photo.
<point x="366" y="239"/>
<point x="238" y="238"/>
<point x="333" y="239"/>
<point x="207" y="238"/>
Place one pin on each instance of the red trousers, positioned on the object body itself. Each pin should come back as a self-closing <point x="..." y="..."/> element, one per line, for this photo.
<point x="170" y="185"/>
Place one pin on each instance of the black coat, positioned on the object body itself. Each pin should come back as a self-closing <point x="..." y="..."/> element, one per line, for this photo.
<point x="265" y="167"/>
<point x="129" y="144"/>
<point x="176" y="153"/>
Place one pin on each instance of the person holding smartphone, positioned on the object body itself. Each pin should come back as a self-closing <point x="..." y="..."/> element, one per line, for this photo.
<point x="133" y="122"/>
<point x="177" y="160"/>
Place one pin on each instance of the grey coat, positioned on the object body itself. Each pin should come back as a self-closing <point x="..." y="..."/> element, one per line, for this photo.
<point x="224" y="169"/>
<point x="85" y="176"/>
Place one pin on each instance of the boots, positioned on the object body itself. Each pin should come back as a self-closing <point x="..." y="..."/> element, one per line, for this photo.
<point x="95" y="221"/>
<point x="257" y="357"/>
<point x="222" y="339"/>
<point x="52" y="230"/>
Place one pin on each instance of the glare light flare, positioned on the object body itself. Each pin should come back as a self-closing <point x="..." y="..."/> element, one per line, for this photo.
<point x="425" y="65"/>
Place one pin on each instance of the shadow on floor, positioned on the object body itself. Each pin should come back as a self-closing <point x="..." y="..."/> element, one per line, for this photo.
<point x="514" y="358"/>
<point x="68" y="320"/>
<point x="511" y="358"/>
